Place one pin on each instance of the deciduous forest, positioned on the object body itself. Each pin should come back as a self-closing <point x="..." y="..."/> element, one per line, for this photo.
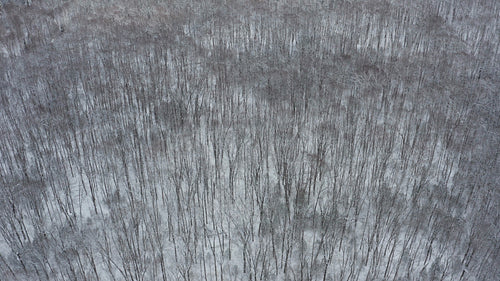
<point x="250" y="140"/>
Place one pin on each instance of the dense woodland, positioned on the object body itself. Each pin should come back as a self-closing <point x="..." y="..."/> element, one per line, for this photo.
<point x="250" y="140"/>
